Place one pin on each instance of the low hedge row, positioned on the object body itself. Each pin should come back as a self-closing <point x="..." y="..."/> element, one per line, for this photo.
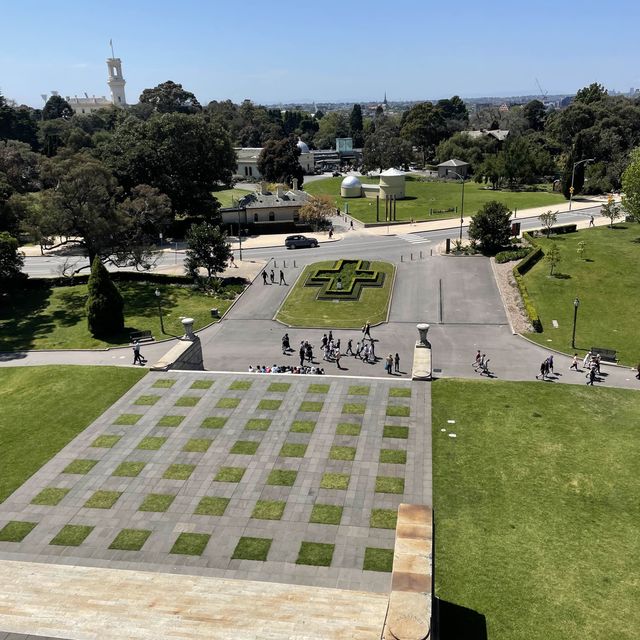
<point x="363" y="276"/>
<point x="508" y="256"/>
<point x="532" y="258"/>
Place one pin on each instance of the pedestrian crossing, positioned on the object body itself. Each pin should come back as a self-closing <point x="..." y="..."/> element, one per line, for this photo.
<point x="413" y="238"/>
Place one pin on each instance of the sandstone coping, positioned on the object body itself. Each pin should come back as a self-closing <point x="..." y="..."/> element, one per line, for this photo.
<point x="421" y="362"/>
<point x="183" y="355"/>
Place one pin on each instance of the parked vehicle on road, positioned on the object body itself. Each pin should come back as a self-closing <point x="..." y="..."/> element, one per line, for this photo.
<point x="300" y="242"/>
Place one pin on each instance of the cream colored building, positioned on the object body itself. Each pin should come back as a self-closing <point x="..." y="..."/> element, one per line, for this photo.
<point x="247" y="161"/>
<point x="116" y="84"/>
<point x="391" y="185"/>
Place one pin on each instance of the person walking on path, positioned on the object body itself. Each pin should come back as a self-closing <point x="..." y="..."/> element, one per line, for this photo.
<point x="372" y="349"/>
<point x="330" y="233"/>
<point x="389" y="364"/>
<point x="358" y="349"/>
<point x="330" y="338"/>
<point x="137" y="356"/>
<point x="638" y="374"/>
<point x="543" y="370"/>
<point x="351" y="225"/>
<point x="349" y="351"/>
<point x="282" y="280"/>
<point x="550" y="364"/>
<point x="396" y="361"/>
<point x="285" y="344"/>
<point x="591" y="375"/>
<point x="232" y="262"/>
<point x="337" y="355"/>
<point x="302" y="354"/>
<point x="478" y="359"/>
<point x="574" y="362"/>
<point x="587" y="360"/>
<point x="264" y="277"/>
<point x="366" y="330"/>
<point x="591" y="223"/>
<point x="272" y="276"/>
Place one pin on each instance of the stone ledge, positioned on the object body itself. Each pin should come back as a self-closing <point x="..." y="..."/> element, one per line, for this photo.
<point x="184" y="355"/>
<point x="421" y="362"/>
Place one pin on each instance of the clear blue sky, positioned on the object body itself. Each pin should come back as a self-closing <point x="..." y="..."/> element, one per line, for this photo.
<point x="323" y="50"/>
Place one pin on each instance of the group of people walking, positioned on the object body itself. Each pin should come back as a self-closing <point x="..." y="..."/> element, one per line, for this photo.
<point x="270" y="278"/>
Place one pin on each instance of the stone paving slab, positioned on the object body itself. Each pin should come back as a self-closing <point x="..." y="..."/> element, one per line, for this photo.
<point x="220" y="415"/>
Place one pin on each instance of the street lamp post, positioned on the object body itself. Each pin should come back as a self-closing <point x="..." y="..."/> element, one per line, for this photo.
<point x="573" y="175"/>
<point x="576" y="304"/>
<point x="160" y="310"/>
<point x="462" y="206"/>
<point x="240" y="230"/>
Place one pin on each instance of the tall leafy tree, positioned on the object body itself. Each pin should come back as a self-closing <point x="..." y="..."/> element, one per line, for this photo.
<point x="356" y="126"/>
<point x="279" y="161"/>
<point x="593" y="93"/>
<point x="385" y="148"/>
<point x="56" y="107"/>
<point x="207" y="248"/>
<point x="424" y="127"/>
<point x="535" y="114"/>
<point x="170" y="97"/>
<point x="631" y="185"/>
<point x="491" y="226"/>
<point x="104" y="305"/>
<point x="11" y="261"/>
<point x="18" y="123"/>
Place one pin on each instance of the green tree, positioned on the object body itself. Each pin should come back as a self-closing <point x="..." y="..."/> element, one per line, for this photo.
<point x="56" y="107"/>
<point x="535" y="114"/>
<point x="11" y="261"/>
<point x="385" y="148"/>
<point x="548" y="219"/>
<point x="317" y="211"/>
<point x="424" y="127"/>
<point x="356" y="126"/>
<point x="611" y="210"/>
<point x="169" y="97"/>
<point x="593" y="93"/>
<point x="207" y="249"/>
<point x="553" y="257"/>
<point x="491" y="226"/>
<point x="104" y="303"/>
<point x="334" y="124"/>
<point x="279" y="161"/>
<point x="631" y="185"/>
<point x="18" y="123"/>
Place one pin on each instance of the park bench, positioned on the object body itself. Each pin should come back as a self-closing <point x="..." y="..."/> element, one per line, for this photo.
<point x="141" y="336"/>
<point x="608" y="355"/>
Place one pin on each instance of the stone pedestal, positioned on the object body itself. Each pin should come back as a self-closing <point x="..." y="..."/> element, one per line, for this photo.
<point x="422" y="355"/>
<point x="187" y="323"/>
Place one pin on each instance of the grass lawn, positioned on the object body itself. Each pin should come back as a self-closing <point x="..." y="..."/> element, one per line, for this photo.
<point x="252" y="549"/>
<point x="302" y="309"/>
<point x="378" y="559"/>
<point x="230" y="197"/>
<point x="604" y="282"/>
<point x="423" y="196"/>
<point x="54" y="317"/>
<point x="338" y="481"/>
<point x="536" y="506"/>
<point x="326" y="514"/>
<point x="190" y="544"/>
<point x="156" y="502"/>
<point x="230" y="474"/>
<point x="383" y="518"/>
<point x="269" y="509"/>
<point x="211" y="506"/>
<point x="317" y="554"/>
<point x="348" y="429"/>
<point x="129" y="469"/>
<point x="130" y="539"/>
<point x="71" y="535"/>
<point x="44" y="408"/>
<point x="16" y="531"/>
<point x="102" y="499"/>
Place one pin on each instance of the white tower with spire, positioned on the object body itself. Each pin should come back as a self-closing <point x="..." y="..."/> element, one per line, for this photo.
<point x="116" y="82"/>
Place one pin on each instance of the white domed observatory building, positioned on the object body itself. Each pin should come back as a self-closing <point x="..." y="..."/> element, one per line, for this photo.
<point x="392" y="185"/>
<point x="351" y="187"/>
<point x="306" y="157"/>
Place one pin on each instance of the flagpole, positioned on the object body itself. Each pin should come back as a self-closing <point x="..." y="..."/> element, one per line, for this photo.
<point x="111" y="45"/>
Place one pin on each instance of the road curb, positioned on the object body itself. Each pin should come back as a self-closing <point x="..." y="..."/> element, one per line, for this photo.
<point x="492" y="262"/>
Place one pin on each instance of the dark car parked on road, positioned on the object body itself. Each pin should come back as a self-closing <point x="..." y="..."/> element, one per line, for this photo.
<point x="300" y="242"/>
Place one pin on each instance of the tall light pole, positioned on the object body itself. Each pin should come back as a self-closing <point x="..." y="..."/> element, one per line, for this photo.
<point x="573" y="175"/>
<point x="462" y="207"/>
<point x="244" y="209"/>
<point x="576" y="304"/>
<point x="160" y="311"/>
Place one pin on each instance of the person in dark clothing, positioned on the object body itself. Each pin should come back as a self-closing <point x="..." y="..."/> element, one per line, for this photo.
<point x="349" y="351"/>
<point x="264" y="277"/>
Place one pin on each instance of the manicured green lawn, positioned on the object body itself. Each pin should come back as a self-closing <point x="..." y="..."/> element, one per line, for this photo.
<point x="383" y="518"/>
<point x="269" y="509"/>
<point x="230" y="197"/>
<point x="252" y="549"/>
<point x="54" y="317"/>
<point x="423" y="196"/>
<point x="44" y="408"/>
<point x="536" y="507"/>
<point x="157" y="502"/>
<point x="71" y="535"/>
<point x="376" y="559"/>
<point x="317" y="554"/>
<point x="130" y="539"/>
<point x="606" y="282"/>
<point x="16" y="531"/>
<point x="326" y="514"/>
<point x="302" y="309"/>
<point x="129" y="469"/>
<point x="190" y="544"/>
<point x="212" y="506"/>
<point x="102" y="499"/>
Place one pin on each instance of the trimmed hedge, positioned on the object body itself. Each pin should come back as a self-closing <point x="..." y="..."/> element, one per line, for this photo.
<point x="508" y="256"/>
<point x="519" y="271"/>
<point x="326" y="279"/>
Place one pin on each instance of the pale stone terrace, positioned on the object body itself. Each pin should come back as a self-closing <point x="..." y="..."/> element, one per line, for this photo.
<point x="281" y="478"/>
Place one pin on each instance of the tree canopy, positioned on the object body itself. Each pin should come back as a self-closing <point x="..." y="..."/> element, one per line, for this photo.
<point x="279" y="161"/>
<point x="169" y="97"/>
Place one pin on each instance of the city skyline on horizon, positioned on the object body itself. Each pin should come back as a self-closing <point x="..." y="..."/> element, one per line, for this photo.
<point x="326" y="54"/>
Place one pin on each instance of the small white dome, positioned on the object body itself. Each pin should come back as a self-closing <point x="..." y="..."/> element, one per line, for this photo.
<point x="350" y="182"/>
<point x="302" y="146"/>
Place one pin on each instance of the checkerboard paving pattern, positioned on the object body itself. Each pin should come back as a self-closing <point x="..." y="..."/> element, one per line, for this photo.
<point x="265" y="477"/>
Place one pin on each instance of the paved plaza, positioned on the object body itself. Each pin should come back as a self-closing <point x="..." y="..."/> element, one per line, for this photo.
<point x="291" y="479"/>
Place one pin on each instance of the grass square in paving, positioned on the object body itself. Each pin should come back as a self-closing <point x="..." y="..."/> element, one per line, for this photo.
<point x="279" y="387"/>
<point x="395" y="431"/>
<point x="228" y="403"/>
<point x="302" y="426"/>
<point x="147" y="400"/>
<point x="128" y="419"/>
<point x="393" y="456"/>
<point x="178" y="471"/>
<point x="358" y="390"/>
<point x="214" y="422"/>
<point x="230" y="474"/>
<point x="317" y="554"/>
<point x="376" y="559"/>
<point x="318" y="388"/>
<point x="163" y="383"/>
<point x="156" y="502"/>
<point x="311" y="407"/>
<point x="355" y="408"/>
<point x="72" y="535"/>
<point x="50" y="496"/>
<point x="269" y="405"/>
<point x="269" y="509"/>
<point x="105" y="442"/>
<point x="170" y="421"/>
<point x="257" y="424"/>
<point x="16" y="531"/>
<point x="245" y="447"/>
<point x="388" y="484"/>
<point x="201" y="384"/>
<point x="102" y="500"/>
<point x="252" y="549"/>
<point x="80" y="466"/>
<point x="190" y="544"/>
<point x="130" y="540"/>
<point x="338" y="481"/>
<point x="151" y="443"/>
<point x="398" y="410"/>
<point x="282" y="477"/>
<point x="187" y="401"/>
<point x="400" y="392"/>
<point x="197" y="445"/>
<point x="348" y="429"/>
<point x="342" y="453"/>
<point x="383" y="518"/>
<point x="240" y="385"/>
<point x="211" y="506"/>
<point x="292" y="450"/>
<point x="326" y="514"/>
<point x="129" y="469"/>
